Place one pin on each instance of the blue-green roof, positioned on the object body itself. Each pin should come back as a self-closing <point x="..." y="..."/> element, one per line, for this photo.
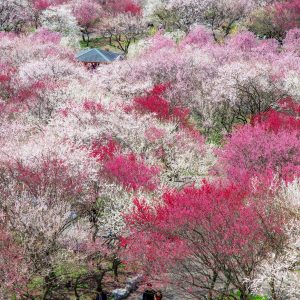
<point x="96" y="55"/>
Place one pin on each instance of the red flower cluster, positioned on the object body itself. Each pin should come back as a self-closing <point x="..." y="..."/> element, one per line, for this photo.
<point x="154" y="102"/>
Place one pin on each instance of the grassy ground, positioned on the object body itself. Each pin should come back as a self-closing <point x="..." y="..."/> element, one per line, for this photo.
<point x="99" y="42"/>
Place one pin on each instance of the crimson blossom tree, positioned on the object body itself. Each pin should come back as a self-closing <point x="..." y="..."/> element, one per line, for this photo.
<point x="124" y="6"/>
<point x="154" y="102"/>
<point x="207" y="239"/>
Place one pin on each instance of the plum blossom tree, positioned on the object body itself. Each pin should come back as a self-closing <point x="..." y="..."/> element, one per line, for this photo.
<point x="199" y="36"/>
<point x="291" y="41"/>
<point x="123" y="23"/>
<point x="277" y="275"/>
<point x="18" y="15"/>
<point x="219" y="16"/>
<point x="261" y="22"/>
<point x="88" y="14"/>
<point x="13" y="268"/>
<point x="15" y="15"/>
<point x="37" y="7"/>
<point x="215" y="237"/>
<point x="77" y="147"/>
<point x="155" y="103"/>
<point x="274" y="150"/>
<point x="287" y="14"/>
<point x="275" y="19"/>
<point x="125" y="6"/>
<point x="60" y="19"/>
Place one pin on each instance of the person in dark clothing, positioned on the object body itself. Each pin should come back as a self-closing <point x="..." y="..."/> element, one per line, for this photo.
<point x="158" y="295"/>
<point x="101" y="296"/>
<point x="149" y="293"/>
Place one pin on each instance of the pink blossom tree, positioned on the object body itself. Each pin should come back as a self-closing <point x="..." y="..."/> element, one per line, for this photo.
<point x="88" y="15"/>
<point x="13" y="267"/>
<point x="287" y="14"/>
<point x="77" y="147"/>
<point x="275" y="19"/>
<point x="219" y="16"/>
<point x="277" y="274"/>
<point x="15" y="15"/>
<point x="123" y="23"/>
<point x="124" y="6"/>
<point x="269" y="146"/>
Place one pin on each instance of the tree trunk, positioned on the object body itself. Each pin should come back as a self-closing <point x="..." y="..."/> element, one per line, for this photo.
<point x="99" y="279"/>
<point x="273" y="291"/>
<point x="75" y="288"/>
<point x="212" y="285"/>
<point x="88" y="39"/>
<point x="115" y="266"/>
<point x="244" y="295"/>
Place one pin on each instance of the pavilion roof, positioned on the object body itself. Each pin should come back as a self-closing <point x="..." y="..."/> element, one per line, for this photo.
<point x="95" y="55"/>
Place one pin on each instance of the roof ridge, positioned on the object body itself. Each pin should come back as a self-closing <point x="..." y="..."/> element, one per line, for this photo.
<point x="96" y="55"/>
<point x="99" y="51"/>
<point x="84" y="52"/>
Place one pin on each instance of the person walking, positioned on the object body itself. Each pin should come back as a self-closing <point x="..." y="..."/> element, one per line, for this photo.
<point x="158" y="295"/>
<point x="101" y="296"/>
<point x="149" y="293"/>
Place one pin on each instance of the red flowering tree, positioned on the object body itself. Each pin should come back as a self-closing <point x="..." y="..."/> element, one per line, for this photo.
<point x="154" y="102"/>
<point x="131" y="172"/>
<point x="208" y="239"/>
<point x="124" y="6"/>
<point x="125" y="169"/>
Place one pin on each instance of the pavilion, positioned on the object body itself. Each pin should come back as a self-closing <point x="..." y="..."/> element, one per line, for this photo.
<point x="93" y="57"/>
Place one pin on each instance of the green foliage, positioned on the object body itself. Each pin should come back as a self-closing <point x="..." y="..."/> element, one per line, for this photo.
<point x="153" y="30"/>
<point x="36" y="283"/>
<point x="98" y="42"/>
<point x="250" y="297"/>
<point x="256" y="297"/>
<point x="170" y="19"/>
<point x="69" y="271"/>
<point x="215" y="138"/>
<point x="104" y="43"/>
<point x="262" y="25"/>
